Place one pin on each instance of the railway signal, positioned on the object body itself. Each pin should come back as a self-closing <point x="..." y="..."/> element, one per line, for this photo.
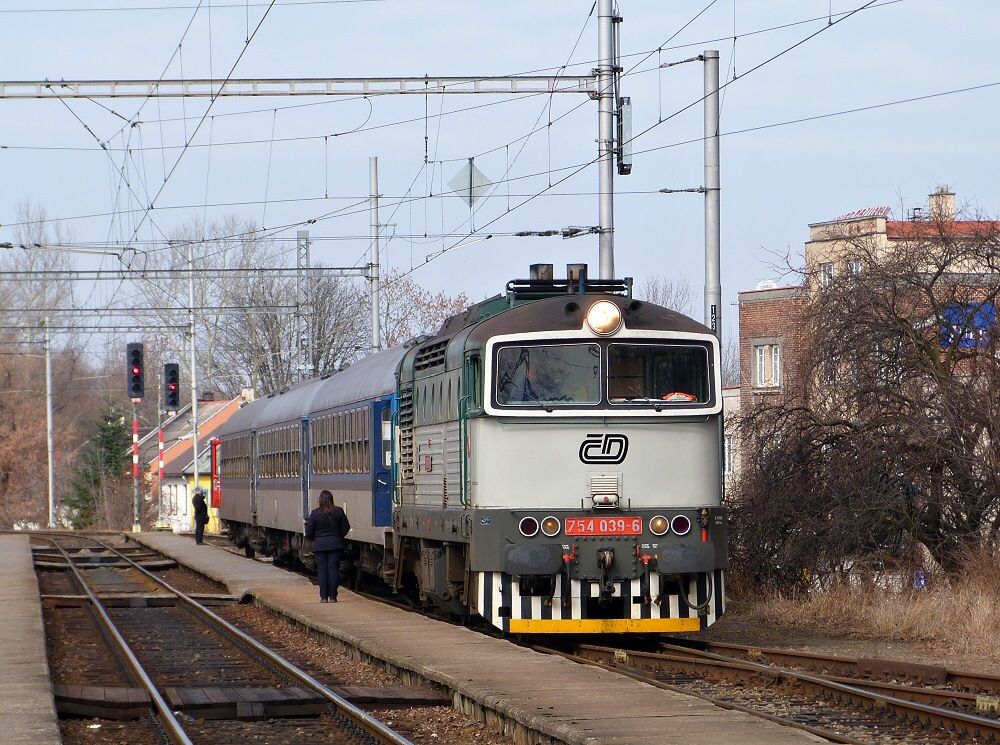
<point x="171" y="386"/>
<point x="135" y="373"/>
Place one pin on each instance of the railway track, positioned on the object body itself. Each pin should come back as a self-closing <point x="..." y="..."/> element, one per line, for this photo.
<point x="946" y="679"/>
<point x="848" y="700"/>
<point x="185" y="673"/>
<point x="846" y="710"/>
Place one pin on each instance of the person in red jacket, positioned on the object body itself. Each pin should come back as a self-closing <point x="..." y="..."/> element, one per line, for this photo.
<point x="326" y="528"/>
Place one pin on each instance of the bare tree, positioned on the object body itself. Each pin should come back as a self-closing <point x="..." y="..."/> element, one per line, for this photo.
<point x="246" y="326"/>
<point x="886" y="436"/>
<point x="33" y="251"/>
<point x="677" y="293"/>
<point x="409" y="310"/>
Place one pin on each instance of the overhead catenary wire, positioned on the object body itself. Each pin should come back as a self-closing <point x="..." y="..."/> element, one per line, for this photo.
<point x="647" y="130"/>
<point x="201" y="121"/>
<point x="148" y="8"/>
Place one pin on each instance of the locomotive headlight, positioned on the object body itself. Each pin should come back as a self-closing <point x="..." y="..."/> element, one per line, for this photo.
<point x="681" y="524"/>
<point x="659" y="525"/>
<point x="604" y="317"/>
<point x="528" y="526"/>
<point x="551" y="526"/>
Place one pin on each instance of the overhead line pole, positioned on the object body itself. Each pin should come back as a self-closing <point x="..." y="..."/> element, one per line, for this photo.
<point x="49" y="443"/>
<point x="194" y="366"/>
<point x="606" y="136"/>
<point x="303" y="307"/>
<point x="713" y="239"/>
<point x="373" y="262"/>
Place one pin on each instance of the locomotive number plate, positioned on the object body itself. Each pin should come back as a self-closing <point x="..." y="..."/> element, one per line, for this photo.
<point x="603" y="526"/>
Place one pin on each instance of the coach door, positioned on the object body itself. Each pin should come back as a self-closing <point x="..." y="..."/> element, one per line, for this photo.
<point x="306" y="456"/>
<point x="253" y="477"/>
<point x="381" y="463"/>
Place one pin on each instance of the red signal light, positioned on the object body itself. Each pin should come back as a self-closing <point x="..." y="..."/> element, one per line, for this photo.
<point x="136" y="370"/>
<point x="171" y="387"/>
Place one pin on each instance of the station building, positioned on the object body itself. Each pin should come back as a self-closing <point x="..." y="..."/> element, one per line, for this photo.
<point x="171" y="487"/>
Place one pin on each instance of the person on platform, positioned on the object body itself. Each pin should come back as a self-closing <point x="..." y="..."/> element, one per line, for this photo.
<point x="326" y="528"/>
<point x="200" y="516"/>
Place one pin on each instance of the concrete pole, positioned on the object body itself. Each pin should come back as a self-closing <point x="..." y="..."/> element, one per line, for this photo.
<point x="606" y="136"/>
<point x="373" y="261"/>
<point x="50" y="445"/>
<point x="136" y="502"/>
<point x="159" y="448"/>
<point x="192" y="331"/>
<point x="713" y="281"/>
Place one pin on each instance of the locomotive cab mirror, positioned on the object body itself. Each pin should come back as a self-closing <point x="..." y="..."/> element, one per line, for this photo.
<point x="604" y="317"/>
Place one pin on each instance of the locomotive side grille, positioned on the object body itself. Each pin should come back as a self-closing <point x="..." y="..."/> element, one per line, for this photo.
<point x="431" y="356"/>
<point x="406" y="433"/>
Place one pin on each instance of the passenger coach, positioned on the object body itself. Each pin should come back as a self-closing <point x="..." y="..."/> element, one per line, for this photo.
<point x="550" y="460"/>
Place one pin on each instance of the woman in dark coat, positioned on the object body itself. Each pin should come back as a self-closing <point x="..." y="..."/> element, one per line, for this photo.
<point x="326" y="528"/>
<point x="200" y="516"/>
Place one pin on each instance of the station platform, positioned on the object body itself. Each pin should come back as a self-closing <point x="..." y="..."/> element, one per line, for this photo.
<point x="27" y="709"/>
<point x="535" y="698"/>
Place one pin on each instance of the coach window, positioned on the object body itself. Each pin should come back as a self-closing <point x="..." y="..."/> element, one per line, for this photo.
<point x="386" y="425"/>
<point x="548" y="375"/>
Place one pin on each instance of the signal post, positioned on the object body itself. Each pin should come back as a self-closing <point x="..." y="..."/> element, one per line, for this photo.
<point x="135" y="384"/>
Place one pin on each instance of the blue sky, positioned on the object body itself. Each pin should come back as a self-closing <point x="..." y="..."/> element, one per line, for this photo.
<point x="775" y="181"/>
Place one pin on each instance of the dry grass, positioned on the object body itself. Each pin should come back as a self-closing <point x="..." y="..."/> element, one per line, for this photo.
<point x="961" y="615"/>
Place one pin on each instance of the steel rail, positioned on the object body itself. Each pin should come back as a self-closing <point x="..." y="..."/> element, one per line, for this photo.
<point x="173" y="728"/>
<point x="853" y="665"/>
<point x="357" y="717"/>
<point x="643" y="677"/>
<point x="951" y="720"/>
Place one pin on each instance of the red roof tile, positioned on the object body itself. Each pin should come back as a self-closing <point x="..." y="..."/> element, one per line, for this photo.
<point x="910" y="229"/>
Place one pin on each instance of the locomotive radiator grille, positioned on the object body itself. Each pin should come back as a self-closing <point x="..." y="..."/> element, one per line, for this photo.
<point x="406" y="434"/>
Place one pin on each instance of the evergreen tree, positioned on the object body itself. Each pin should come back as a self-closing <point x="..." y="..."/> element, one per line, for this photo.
<point x="100" y="471"/>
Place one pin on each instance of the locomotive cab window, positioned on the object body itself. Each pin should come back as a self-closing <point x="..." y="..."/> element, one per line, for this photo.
<point x="548" y="375"/>
<point x="661" y="373"/>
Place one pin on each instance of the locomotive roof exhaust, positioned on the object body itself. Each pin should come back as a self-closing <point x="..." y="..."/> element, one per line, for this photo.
<point x="544" y="272"/>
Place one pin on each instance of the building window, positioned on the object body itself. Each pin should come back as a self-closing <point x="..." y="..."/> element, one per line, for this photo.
<point x="766" y="364"/>
<point x="826" y="274"/>
<point x="854" y="267"/>
<point x="728" y="461"/>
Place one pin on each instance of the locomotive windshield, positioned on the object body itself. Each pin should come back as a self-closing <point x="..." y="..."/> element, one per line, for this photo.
<point x="672" y="374"/>
<point x="549" y="375"/>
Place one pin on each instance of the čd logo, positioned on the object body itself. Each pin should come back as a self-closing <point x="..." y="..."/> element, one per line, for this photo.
<point x="604" y="449"/>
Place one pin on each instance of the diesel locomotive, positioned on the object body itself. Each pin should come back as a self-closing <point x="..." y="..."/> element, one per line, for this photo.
<point x="550" y="460"/>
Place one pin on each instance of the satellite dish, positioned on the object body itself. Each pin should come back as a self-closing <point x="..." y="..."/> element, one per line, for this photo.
<point x="766" y="284"/>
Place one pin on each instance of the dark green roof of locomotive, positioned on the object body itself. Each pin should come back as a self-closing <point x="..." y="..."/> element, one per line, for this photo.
<point x="471" y="329"/>
<point x="567" y="313"/>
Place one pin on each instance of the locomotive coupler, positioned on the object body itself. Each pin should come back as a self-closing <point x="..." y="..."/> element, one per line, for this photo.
<point x="606" y="560"/>
<point x="646" y="559"/>
<point x="567" y="595"/>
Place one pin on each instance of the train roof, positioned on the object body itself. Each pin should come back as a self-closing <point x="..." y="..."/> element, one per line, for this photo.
<point x="368" y="378"/>
<point x="566" y="313"/>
